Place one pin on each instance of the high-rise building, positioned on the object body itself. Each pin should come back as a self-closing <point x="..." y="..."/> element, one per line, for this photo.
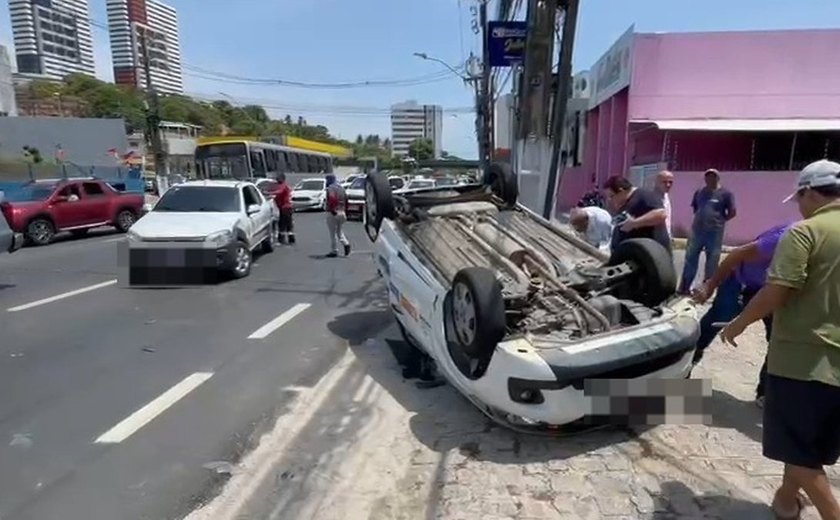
<point x="411" y="121"/>
<point x="130" y="22"/>
<point x="52" y="37"/>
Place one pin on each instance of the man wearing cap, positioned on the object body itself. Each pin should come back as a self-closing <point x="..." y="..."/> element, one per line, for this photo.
<point x="713" y="207"/>
<point x="802" y="403"/>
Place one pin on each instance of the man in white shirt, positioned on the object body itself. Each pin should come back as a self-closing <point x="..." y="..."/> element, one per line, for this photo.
<point x="595" y="224"/>
<point x="664" y="182"/>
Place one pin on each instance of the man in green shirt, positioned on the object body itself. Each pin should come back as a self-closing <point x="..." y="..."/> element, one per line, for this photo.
<point x="802" y="404"/>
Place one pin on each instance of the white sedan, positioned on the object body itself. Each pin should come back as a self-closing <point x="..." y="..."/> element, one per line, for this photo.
<point x="519" y="315"/>
<point x="199" y="227"/>
<point x="310" y="194"/>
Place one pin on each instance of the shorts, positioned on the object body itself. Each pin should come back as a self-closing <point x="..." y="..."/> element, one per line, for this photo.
<point x="286" y="223"/>
<point x="801" y="422"/>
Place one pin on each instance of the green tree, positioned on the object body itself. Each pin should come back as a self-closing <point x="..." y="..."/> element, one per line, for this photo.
<point x="421" y="149"/>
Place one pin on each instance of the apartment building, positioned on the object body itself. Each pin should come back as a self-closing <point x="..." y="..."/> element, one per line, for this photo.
<point x="411" y="121"/>
<point x="130" y="24"/>
<point x="52" y="37"/>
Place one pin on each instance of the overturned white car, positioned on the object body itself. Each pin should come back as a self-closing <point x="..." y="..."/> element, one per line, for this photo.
<point x="517" y="313"/>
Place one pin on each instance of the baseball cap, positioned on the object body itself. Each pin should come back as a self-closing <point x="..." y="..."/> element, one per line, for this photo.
<point x="817" y="174"/>
<point x="712" y="171"/>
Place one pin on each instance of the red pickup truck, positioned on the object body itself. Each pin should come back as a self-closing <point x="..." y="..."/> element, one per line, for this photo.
<point x="41" y="209"/>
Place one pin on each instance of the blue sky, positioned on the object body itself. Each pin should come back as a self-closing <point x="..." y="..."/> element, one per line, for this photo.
<point x="345" y="41"/>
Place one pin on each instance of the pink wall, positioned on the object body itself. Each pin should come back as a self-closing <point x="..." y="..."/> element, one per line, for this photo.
<point x="758" y="199"/>
<point x="573" y="185"/>
<point x="760" y="74"/>
<point x="608" y="134"/>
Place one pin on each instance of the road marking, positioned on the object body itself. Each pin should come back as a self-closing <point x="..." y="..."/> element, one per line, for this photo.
<point x="61" y="296"/>
<point x="145" y="415"/>
<point x="279" y="321"/>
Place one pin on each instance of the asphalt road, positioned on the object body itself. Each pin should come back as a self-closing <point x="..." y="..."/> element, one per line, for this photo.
<point x="123" y="403"/>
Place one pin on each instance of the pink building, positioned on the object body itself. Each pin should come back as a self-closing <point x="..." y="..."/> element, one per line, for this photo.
<point x="758" y="106"/>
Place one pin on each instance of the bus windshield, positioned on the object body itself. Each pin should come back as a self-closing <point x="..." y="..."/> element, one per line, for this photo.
<point x="223" y="161"/>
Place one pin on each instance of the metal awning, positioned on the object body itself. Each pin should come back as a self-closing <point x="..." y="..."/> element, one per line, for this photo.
<point x="745" y="125"/>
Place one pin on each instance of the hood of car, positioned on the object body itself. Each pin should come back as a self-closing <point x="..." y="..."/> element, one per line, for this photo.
<point x="307" y="193"/>
<point x="166" y="224"/>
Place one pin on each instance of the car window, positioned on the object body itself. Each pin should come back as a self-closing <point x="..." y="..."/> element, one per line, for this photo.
<point x="70" y="190"/>
<point x="200" y="199"/>
<point x="314" y="185"/>
<point x="93" y="189"/>
<point x="359" y="183"/>
<point x="252" y="196"/>
<point x="396" y="183"/>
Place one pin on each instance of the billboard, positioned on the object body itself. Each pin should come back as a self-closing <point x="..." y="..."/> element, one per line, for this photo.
<point x="611" y="73"/>
<point x="506" y="43"/>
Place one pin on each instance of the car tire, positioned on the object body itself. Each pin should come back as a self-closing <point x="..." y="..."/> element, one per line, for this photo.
<point x="125" y="219"/>
<point x="379" y="204"/>
<point x="501" y="180"/>
<point x="657" y="277"/>
<point x="477" y="311"/>
<point x="242" y="260"/>
<point x="40" y="231"/>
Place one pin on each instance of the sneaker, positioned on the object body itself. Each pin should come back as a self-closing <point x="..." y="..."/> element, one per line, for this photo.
<point x="346" y="249"/>
<point x="759" y="401"/>
<point x="291" y="239"/>
<point x="332" y="254"/>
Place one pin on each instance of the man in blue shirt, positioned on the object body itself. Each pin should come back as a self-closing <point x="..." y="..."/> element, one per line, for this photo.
<point x="713" y="207"/>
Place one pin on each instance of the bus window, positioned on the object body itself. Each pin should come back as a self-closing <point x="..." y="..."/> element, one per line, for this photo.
<point x="223" y="161"/>
<point x="329" y="165"/>
<point x="303" y="162"/>
<point x="257" y="163"/>
<point x="271" y="163"/>
<point x="293" y="163"/>
<point x="283" y="162"/>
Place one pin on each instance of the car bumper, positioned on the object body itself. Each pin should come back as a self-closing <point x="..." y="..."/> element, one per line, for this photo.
<point x="306" y="204"/>
<point x="176" y="263"/>
<point x="355" y="209"/>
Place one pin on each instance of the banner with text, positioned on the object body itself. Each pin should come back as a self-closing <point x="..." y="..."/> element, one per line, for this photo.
<point x="506" y="43"/>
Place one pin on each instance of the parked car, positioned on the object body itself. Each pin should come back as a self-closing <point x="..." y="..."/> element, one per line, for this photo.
<point x="397" y="182"/>
<point x="41" y="209"/>
<point x="347" y="181"/>
<point x="230" y="218"/>
<point x="10" y="241"/>
<point x="310" y="194"/>
<point x="356" y="199"/>
<point x="519" y="314"/>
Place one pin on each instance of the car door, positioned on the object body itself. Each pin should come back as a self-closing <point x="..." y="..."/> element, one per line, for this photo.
<point x="96" y="203"/>
<point x="257" y="222"/>
<point x="68" y="207"/>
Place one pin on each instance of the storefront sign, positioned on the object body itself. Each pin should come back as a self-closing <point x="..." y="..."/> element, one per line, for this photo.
<point x="612" y="72"/>
<point x="506" y="43"/>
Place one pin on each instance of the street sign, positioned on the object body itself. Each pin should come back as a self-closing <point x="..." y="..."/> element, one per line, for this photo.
<point x="506" y="43"/>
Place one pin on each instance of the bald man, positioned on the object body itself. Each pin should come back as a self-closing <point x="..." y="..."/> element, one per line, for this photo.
<point x="594" y="224"/>
<point x="664" y="182"/>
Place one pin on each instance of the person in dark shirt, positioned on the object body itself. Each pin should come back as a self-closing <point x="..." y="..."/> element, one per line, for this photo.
<point x="713" y="207"/>
<point x="638" y="212"/>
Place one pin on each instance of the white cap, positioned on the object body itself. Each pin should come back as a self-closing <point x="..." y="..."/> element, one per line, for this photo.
<point x="817" y="174"/>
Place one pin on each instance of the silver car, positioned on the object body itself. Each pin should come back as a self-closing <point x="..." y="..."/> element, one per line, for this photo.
<point x="9" y="240"/>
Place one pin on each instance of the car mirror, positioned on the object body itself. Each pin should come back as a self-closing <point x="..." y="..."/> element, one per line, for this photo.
<point x="253" y="208"/>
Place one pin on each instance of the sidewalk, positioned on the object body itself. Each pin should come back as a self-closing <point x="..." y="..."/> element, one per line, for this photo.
<point x="367" y="444"/>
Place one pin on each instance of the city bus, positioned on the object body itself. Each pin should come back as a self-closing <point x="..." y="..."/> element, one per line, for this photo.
<point x="242" y="159"/>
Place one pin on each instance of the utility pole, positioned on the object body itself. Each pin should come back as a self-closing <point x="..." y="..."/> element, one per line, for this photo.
<point x="561" y="100"/>
<point x="485" y="101"/>
<point x="153" y="119"/>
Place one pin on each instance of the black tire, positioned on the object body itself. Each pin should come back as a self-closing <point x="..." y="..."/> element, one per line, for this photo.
<point x="656" y="280"/>
<point x="501" y="180"/>
<point x="379" y="203"/>
<point x="478" y="311"/>
<point x="40" y="231"/>
<point x="125" y="219"/>
<point x="236" y="270"/>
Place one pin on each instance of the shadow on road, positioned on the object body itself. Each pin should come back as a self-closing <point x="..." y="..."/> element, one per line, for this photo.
<point x="443" y="419"/>
<point x="731" y="412"/>
<point x="676" y="500"/>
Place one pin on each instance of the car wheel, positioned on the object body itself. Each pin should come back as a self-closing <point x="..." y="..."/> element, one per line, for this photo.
<point x="40" y="231"/>
<point x="502" y="182"/>
<point x="242" y="260"/>
<point x="379" y="203"/>
<point x="478" y="311"/>
<point x="125" y="219"/>
<point x="655" y="279"/>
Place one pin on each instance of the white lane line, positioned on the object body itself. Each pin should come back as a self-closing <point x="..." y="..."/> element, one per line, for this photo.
<point x="145" y="415"/>
<point x="279" y="321"/>
<point x="61" y="296"/>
